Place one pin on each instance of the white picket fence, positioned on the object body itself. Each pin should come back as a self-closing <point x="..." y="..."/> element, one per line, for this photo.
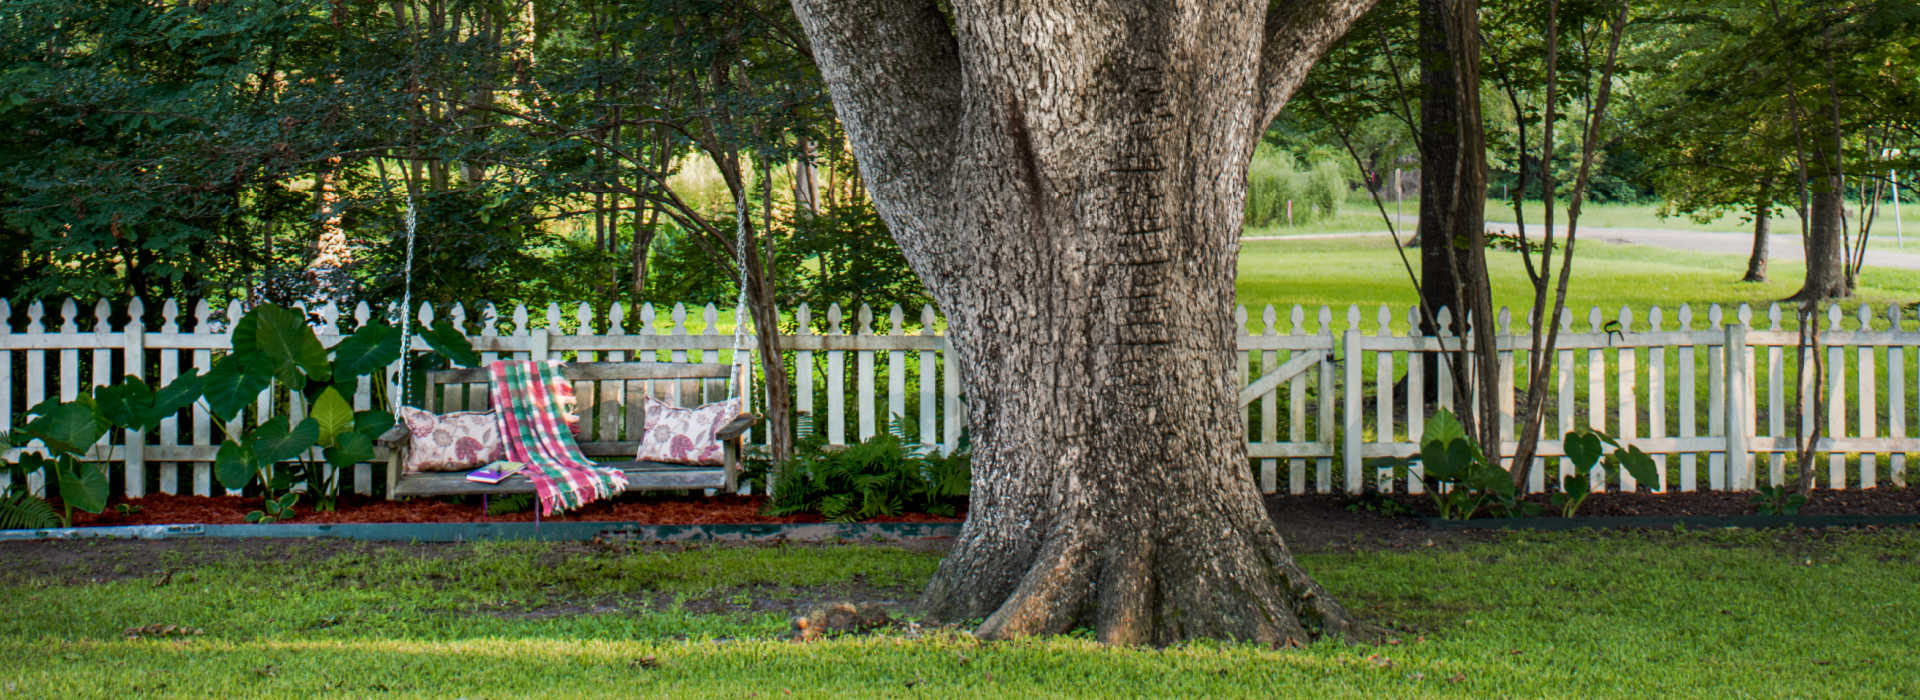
<point x="1316" y="392"/>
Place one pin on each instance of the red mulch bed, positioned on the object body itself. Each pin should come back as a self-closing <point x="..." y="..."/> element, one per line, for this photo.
<point x="1884" y="500"/>
<point x="161" y="509"/>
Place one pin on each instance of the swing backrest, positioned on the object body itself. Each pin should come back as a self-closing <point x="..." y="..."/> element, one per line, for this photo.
<point x="611" y="396"/>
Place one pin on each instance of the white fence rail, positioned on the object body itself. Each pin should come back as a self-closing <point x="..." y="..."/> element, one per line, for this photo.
<point x="1330" y="406"/>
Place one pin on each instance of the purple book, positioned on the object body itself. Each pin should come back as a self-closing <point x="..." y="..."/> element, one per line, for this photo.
<point x="495" y="473"/>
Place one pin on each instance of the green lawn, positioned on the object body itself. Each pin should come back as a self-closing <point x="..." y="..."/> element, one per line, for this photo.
<point x="1359" y="213"/>
<point x="1367" y="272"/>
<point x="1729" y="613"/>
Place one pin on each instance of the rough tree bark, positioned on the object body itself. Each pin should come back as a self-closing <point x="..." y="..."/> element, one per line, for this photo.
<point x="1068" y="180"/>
<point x="1826" y="254"/>
<point x="1453" y="181"/>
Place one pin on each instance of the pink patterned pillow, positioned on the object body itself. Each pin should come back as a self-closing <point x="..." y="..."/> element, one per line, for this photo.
<point x="685" y="435"/>
<point x="453" y="442"/>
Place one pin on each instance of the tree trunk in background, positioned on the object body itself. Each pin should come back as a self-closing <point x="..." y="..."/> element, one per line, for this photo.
<point x="806" y="178"/>
<point x="1762" y="230"/>
<point x="1453" y="170"/>
<point x="1826" y="255"/>
<point x="1068" y="181"/>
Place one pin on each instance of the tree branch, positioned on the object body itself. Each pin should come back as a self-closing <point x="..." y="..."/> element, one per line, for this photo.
<point x="1297" y="35"/>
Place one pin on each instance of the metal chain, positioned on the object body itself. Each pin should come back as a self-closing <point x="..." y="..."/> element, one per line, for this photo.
<point x="406" y="307"/>
<point x="740" y="314"/>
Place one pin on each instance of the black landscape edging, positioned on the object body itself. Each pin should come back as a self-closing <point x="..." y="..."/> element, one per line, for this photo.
<point x="1662" y="522"/>
<point x="549" y="531"/>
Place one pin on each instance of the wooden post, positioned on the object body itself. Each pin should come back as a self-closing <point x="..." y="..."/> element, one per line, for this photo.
<point x="1739" y="424"/>
<point x="135" y="335"/>
<point x="1353" y="390"/>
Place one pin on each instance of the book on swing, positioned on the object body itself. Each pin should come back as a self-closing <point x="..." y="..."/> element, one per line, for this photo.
<point x="495" y="473"/>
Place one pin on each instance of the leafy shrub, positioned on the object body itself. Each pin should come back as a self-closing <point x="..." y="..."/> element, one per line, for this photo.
<point x="1275" y="177"/>
<point x="878" y="477"/>
<point x="1462" y="480"/>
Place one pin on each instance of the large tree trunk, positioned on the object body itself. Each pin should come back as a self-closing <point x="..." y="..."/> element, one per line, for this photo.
<point x="1068" y="180"/>
<point x="1826" y="254"/>
<point x="1453" y="171"/>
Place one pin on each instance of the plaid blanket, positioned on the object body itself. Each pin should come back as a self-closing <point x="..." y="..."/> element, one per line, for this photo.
<point x="533" y="403"/>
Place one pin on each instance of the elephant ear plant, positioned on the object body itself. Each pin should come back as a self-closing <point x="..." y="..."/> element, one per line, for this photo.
<point x="1584" y="449"/>
<point x="271" y="345"/>
<point x="1459" y="476"/>
<point x="274" y="344"/>
<point x="1462" y="480"/>
<point x="66" y="430"/>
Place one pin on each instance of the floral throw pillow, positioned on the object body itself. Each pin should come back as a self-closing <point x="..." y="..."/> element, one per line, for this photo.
<point x="685" y="435"/>
<point x="452" y="442"/>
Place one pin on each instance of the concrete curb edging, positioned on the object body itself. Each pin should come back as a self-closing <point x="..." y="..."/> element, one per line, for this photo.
<point x="550" y="531"/>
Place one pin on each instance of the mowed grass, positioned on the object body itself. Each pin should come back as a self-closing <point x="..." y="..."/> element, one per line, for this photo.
<point x="1729" y="613"/>
<point x="1366" y="272"/>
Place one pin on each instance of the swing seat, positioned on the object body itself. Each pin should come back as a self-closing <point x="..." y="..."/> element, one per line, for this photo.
<point x="612" y="397"/>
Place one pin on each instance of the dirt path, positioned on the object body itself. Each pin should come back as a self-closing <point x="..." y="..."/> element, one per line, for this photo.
<point x="1784" y="247"/>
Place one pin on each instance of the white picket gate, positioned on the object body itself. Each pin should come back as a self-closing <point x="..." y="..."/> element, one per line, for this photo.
<point x="1316" y="393"/>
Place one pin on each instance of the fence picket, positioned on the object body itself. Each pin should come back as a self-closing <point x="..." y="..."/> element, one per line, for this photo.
<point x="1689" y="420"/>
<point x="1836" y="401"/>
<point x="1269" y="412"/>
<point x="836" y="382"/>
<point x="1896" y="399"/>
<point x="1777" y="405"/>
<point x="928" y="409"/>
<point x="1869" y="464"/>
<point x="1297" y="410"/>
<point x="1657" y="397"/>
<point x="1627" y="421"/>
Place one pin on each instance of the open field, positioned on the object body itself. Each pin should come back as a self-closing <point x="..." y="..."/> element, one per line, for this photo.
<point x="1367" y="272"/>
<point x="1734" y="613"/>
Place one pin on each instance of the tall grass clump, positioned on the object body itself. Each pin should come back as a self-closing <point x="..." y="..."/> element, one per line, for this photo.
<point x="1276" y="177"/>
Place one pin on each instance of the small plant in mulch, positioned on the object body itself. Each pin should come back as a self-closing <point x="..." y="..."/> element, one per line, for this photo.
<point x="1775" y="500"/>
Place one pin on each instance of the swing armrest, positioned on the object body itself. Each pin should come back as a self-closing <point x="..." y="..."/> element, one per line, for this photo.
<point x="733" y="429"/>
<point x="396" y="436"/>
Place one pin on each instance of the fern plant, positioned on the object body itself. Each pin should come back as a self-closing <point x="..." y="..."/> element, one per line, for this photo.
<point x="22" y="511"/>
<point x="876" y="478"/>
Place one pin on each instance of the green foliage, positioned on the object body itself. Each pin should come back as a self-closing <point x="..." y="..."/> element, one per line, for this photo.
<point x="1584" y="449"/>
<point x="20" y="510"/>
<point x="450" y="342"/>
<point x="1776" y="500"/>
<point x="1460" y="478"/>
<point x="1275" y="179"/>
<point x="878" y="477"/>
<point x="276" y="345"/>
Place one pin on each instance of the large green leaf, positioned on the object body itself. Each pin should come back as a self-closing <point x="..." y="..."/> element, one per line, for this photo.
<point x="451" y="343"/>
<point x="1443" y="428"/>
<point x="353" y="447"/>
<point x="178" y="394"/>
<point x="1436" y="461"/>
<point x="233" y="464"/>
<point x="126" y="403"/>
<point x="369" y="349"/>
<point x="83" y="485"/>
<point x="332" y="414"/>
<point x="1583" y="447"/>
<point x="283" y="336"/>
<point x="68" y="428"/>
<point x="1639" y="464"/>
<point x="231" y="386"/>
<point x="274" y="441"/>
<point x="373" y="424"/>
